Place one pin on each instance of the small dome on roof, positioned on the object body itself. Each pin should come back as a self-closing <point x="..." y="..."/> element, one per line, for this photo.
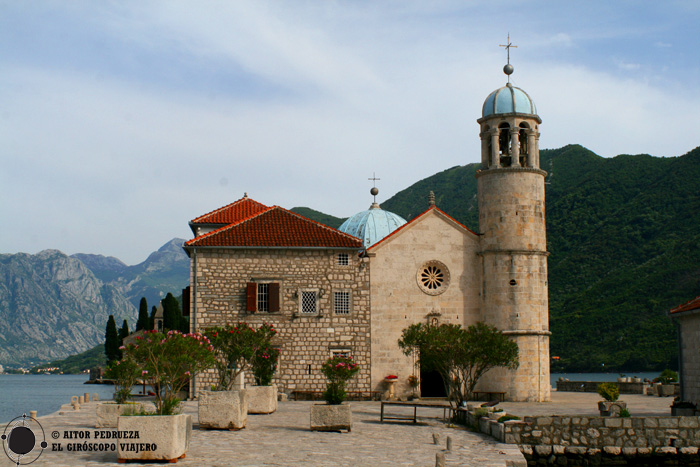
<point x="372" y="225"/>
<point x="508" y="100"/>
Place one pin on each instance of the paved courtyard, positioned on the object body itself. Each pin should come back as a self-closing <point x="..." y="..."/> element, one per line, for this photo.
<point x="284" y="438"/>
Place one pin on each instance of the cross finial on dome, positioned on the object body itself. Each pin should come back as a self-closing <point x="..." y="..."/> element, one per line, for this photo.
<point x="374" y="191"/>
<point x="508" y="68"/>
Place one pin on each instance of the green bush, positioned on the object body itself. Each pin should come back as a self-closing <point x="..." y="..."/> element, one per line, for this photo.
<point x="481" y="412"/>
<point x="624" y="413"/>
<point x="667" y="377"/>
<point x="609" y="391"/>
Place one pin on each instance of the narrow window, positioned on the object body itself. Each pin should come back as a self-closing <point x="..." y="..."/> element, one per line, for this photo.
<point x="263" y="297"/>
<point x="341" y="303"/>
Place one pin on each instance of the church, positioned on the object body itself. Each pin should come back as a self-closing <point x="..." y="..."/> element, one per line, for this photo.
<point x="354" y="289"/>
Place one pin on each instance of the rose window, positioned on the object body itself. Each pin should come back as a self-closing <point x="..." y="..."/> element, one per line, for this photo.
<point x="433" y="277"/>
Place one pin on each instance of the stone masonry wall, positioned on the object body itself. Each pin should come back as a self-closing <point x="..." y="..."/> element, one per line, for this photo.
<point x="218" y="278"/>
<point x="399" y="301"/>
<point x="690" y="373"/>
<point x="597" y="432"/>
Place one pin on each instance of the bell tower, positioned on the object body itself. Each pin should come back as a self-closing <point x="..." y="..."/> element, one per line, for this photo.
<point x="510" y="188"/>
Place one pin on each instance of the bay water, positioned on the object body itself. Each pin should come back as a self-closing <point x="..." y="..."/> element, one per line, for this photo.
<point x="20" y="394"/>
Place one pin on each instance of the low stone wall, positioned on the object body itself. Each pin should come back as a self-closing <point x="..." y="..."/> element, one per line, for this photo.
<point x="574" y="456"/>
<point x="598" y="432"/>
<point x="592" y="386"/>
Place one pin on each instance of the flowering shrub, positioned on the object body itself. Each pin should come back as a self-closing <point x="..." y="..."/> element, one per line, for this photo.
<point x="413" y="381"/>
<point x="125" y="374"/>
<point x="338" y="370"/>
<point x="264" y="365"/>
<point x="168" y="361"/>
<point x="234" y="347"/>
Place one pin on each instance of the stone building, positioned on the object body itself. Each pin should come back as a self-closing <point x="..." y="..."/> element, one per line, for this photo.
<point x="687" y="319"/>
<point x="355" y="289"/>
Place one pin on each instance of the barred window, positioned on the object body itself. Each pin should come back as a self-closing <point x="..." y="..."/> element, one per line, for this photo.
<point x="343" y="259"/>
<point x="342" y="303"/>
<point x="263" y="297"/>
<point x="309" y="302"/>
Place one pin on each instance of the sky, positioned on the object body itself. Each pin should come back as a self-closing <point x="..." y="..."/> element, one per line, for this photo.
<point x="121" y="121"/>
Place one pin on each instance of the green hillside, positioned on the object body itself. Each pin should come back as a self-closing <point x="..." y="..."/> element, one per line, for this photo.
<point x="623" y="236"/>
<point x="77" y="363"/>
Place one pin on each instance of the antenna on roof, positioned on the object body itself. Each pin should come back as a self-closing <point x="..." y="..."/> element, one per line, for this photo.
<point x="508" y="68"/>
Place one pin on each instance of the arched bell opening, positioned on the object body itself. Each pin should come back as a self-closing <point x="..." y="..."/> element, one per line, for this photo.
<point x="524" y="147"/>
<point x="504" y="144"/>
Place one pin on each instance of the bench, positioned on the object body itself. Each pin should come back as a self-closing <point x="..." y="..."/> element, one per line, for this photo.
<point x="445" y="406"/>
<point x="489" y="396"/>
<point x="351" y="395"/>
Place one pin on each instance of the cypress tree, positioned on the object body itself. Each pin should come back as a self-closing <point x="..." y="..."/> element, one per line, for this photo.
<point x="111" y="340"/>
<point x="171" y="312"/>
<point x="123" y="332"/>
<point x="143" y="323"/>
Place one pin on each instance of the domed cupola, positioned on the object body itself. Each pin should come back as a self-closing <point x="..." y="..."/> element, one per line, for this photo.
<point x="372" y="225"/>
<point x="508" y="100"/>
<point x="509" y="127"/>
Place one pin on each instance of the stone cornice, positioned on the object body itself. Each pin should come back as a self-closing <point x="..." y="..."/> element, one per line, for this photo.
<point x="514" y="252"/>
<point x="526" y="332"/>
<point x="482" y="172"/>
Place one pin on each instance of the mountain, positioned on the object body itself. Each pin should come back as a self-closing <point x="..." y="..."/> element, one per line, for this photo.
<point x="52" y="306"/>
<point x="623" y="238"/>
<point x="165" y="270"/>
<point x="325" y="219"/>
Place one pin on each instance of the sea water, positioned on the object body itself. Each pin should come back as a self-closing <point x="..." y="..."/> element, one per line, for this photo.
<point x="20" y="394"/>
<point x="599" y="377"/>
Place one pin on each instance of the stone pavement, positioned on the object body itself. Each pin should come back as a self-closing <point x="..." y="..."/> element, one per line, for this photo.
<point x="284" y="439"/>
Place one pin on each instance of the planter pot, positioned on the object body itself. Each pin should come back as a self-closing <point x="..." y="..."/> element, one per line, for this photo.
<point x="262" y="399"/>
<point x="665" y="390"/>
<point x="611" y="409"/>
<point x="325" y="417"/>
<point x="167" y="437"/>
<point x="682" y="411"/>
<point x="108" y="412"/>
<point x="223" y="410"/>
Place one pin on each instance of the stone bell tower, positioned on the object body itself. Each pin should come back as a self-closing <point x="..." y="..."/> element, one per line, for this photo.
<point x="513" y="242"/>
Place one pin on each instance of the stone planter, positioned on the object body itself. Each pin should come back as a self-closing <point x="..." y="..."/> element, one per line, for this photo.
<point x="611" y="409"/>
<point x="325" y="417"/>
<point x="223" y="410"/>
<point x="108" y="412"/>
<point x="160" y="437"/>
<point x="262" y="399"/>
<point x="496" y="415"/>
<point x="665" y="390"/>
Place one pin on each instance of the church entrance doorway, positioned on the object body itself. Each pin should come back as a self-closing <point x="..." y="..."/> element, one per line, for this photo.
<point x="431" y="384"/>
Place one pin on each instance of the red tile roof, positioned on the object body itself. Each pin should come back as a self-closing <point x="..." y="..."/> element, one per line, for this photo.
<point x="276" y="227"/>
<point x="234" y="212"/>
<point x="415" y="219"/>
<point x="694" y="304"/>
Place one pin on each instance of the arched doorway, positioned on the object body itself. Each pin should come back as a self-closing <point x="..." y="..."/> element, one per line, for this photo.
<point x="431" y="384"/>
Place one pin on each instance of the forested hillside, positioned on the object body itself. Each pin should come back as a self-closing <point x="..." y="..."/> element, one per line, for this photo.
<point x="623" y="236"/>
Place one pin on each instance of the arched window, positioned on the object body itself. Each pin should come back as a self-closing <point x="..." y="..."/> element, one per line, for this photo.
<point x="522" y="137"/>
<point x="504" y="144"/>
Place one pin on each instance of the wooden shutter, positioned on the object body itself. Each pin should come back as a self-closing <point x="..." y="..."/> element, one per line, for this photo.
<point x="274" y="292"/>
<point x="251" y="297"/>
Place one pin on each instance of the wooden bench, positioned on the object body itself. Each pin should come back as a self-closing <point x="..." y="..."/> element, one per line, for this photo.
<point x="351" y="395"/>
<point x="445" y="406"/>
<point x="489" y="396"/>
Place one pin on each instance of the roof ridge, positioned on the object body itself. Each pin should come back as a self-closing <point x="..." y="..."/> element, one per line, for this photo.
<point x="318" y="223"/>
<point x="682" y="305"/>
<point x="216" y="211"/>
<point x="231" y="225"/>
<point x="415" y="219"/>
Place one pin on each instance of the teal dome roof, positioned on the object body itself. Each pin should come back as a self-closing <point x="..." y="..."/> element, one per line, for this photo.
<point x="372" y="225"/>
<point x="508" y="100"/>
